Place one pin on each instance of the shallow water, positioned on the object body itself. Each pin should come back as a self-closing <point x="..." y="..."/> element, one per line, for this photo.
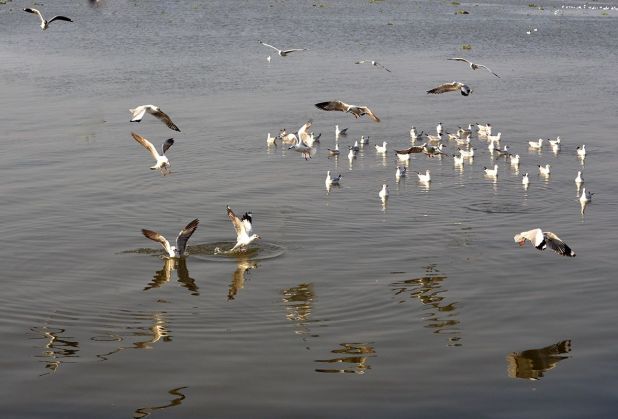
<point x="346" y="307"/>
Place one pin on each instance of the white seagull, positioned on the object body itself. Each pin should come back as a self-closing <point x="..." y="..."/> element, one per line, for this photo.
<point x="467" y="153"/>
<point x="586" y="196"/>
<point x="282" y="52"/>
<point x="138" y="113"/>
<point x="340" y="132"/>
<point x="357" y="111"/>
<point x="163" y="164"/>
<point x="525" y="180"/>
<point x="515" y="160"/>
<point x="451" y="87"/>
<point x="536" y="144"/>
<point x="373" y="63"/>
<point x="491" y="172"/>
<point x="244" y="229"/>
<point x="330" y="180"/>
<point x="179" y="250"/>
<point x="45" y="23"/>
<point x="581" y="151"/>
<point x="383" y="194"/>
<point x="270" y="140"/>
<point x="473" y="66"/>
<point x="579" y="178"/>
<point x="381" y="148"/>
<point x="334" y="151"/>
<point x="400" y="172"/>
<point x="458" y="160"/>
<point x="555" y="142"/>
<point x="542" y="239"/>
<point x="495" y="138"/>
<point x="424" y="177"/>
<point x="544" y="170"/>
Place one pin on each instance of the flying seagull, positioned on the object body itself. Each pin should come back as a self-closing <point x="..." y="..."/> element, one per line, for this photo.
<point x="373" y="63"/>
<point x="138" y="113"/>
<point x="357" y="111"/>
<point x="282" y="52"/>
<point x="179" y="250"/>
<point x="243" y="227"/>
<point x="451" y="87"/>
<point x="163" y="164"/>
<point x="45" y="23"/>
<point x="541" y="239"/>
<point x="473" y="66"/>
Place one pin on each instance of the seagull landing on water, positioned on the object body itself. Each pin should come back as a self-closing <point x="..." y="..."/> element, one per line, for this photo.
<point x="357" y="111"/>
<point x="179" y="250"/>
<point x="45" y="23"/>
<point x="244" y="229"/>
<point x="451" y="87"/>
<point x="373" y="63"/>
<point x="473" y="66"/>
<point x="282" y="52"/>
<point x="138" y="113"/>
<point x="542" y="239"/>
<point x="163" y="164"/>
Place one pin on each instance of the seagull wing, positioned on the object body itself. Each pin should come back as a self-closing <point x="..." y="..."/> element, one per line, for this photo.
<point x="333" y="105"/>
<point x="488" y="69"/>
<point x="185" y="235"/>
<point x="287" y="51"/>
<point x="247" y="219"/>
<point x="154" y="236"/>
<point x="147" y="144"/>
<point x="459" y="59"/>
<point x="268" y="45"/>
<point x="138" y="113"/>
<point x="365" y="110"/>
<point x="67" y="19"/>
<point x="383" y="67"/>
<point x="443" y="88"/>
<point x="167" y="144"/>
<point x="159" y="114"/>
<point x="302" y="132"/>
<point x="238" y="225"/>
<point x="557" y="245"/>
<point x="36" y="12"/>
<point x="361" y="62"/>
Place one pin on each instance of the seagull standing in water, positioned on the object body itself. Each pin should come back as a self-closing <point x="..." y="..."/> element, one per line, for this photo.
<point x="373" y="63"/>
<point x="451" y="87"/>
<point x="163" y="164"/>
<point x="473" y="66"/>
<point x="244" y="229"/>
<point x="542" y="239"/>
<point x="45" y="23"/>
<point x="138" y="113"/>
<point x="282" y="52"/>
<point x="179" y="250"/>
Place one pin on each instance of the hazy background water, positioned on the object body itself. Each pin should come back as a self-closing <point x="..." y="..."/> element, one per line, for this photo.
<point x="428" y="304"/>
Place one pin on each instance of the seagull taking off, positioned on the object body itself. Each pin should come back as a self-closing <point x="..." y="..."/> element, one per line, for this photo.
<point x="282" y="52"/>
<point x="163" y="164"/>
<point x="357" y="111"/>
<point x="138" y="113"/>
<point x="373" y="63"/>
<point x="473" y="66"/>
<point x="541" y="239"/>
<point x="244" y="229"/>
<point x="179" y="250"/>
<point x="45" y="23"/>
<point x="451" y="87"/>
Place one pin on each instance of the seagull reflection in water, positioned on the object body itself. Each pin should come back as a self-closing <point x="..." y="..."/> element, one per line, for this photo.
<point x="164" y="275"/>
<point x="533" y="363"/>
<point x="441" y="316"/>
<point x="142" y="412"/>
<point x="243" y="265"/>
<point x="57" y="349"/>
<point x="352" y="358"/>
<point x="298" y="303"/>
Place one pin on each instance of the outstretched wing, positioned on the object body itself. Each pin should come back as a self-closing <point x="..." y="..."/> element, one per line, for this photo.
<point x="443" y="88"/>
<point x="365" y="110"/>
<point x="66" y="19"/>
<point x="302" y="132"/>
<point x="287" y="51"/>
<point x="167" y="144"/>
<point x="236" y="222"/>
<point x="147" y="144"/>
<point x="36" y="12"/>
<point x="184" y="235"/>
<point x="333" y="105"/>
<point x="488" y="69"/>
<point x="557" y="245"/>
<point x="383" y="67"/>
<point x="247" y="219"/>
<point x="268" y="45"/>
<point x="153" y="235"/>
<point x="459" y="59"/>
<point x="159" y="114"/>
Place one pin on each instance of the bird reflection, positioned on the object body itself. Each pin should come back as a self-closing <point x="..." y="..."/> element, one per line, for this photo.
<point x="352" y="358"/>
<point x="164" y="275"/>
<point x="298" y="302"/>
<point x="155" y="332"/>
<point x="531" y="364"/>
<point x="142" y="412"/>
<point x="57" y="348"/>
<point x="440" y="315"/>
<point x="243" y="265"/>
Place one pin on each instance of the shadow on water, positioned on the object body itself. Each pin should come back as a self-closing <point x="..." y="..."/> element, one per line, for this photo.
<point x="142" y="412"/>
<point x="352" y="358"/>
<point x="57" y="348"/>
<point x="440" y="315"/>
<point x="164" y="275"/>
<point x="532" y="363"/>
<point x="243" y="265"/>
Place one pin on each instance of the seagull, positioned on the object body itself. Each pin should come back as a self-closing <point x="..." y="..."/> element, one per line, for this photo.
<point x="555" y="142"/>
<point x="525" y="180"/>
<point x="585" y="196"/>
<point x="484" y="129"/>
<point x="458" y="160"/>
<point x="373" y="63"/>
<point x="355" y="147"/>
<point x="301" y="147"/>
<point x="467" y="153"/>
<point x="334" y="151"/>
<point x="491" y="172"/>
<point x="465" y="131"/>
<point x="352" y="154"/>
<point x="536" y="144"/>
<point x="403" y="156"/>
<point x="400" y="172"/>
<point x="515" y="160"/>
<point x="544" y="170"/>
<point x="270" y="140"/>
<point x="243" y="227"/>
<point x="433" y="151"/>
<point x="579" y="179"/>
<point x="163" y="164"/>
<point x="363" y="140"/>
<point x="138" y="113"/>
<point x="463" y="141"/>
<point x="287" y="138"/>
<point x="413" y="134"/>
<point x="439" y="129"/>
<point x="541" y="239"/>
<point x="473" y="66"/>
<point x="495" y="138"/>
<point x="45" y="23"/>
<point x="451" y="87"/>
<point x="581" y="151"/>
<point x="424" y="177"/>
<point x="179" y="250"/>
<point x="383" y="194"/>
<point x="381" y="148"/>
<point x="268" y="58"/>
<point x="339" y="132"/>
<point x="502" y="151"/>
<point x="434" y="138"/>
<point x="332" y="180"/>
<point x="284" y="52"/>
<point x="357" y="111"/>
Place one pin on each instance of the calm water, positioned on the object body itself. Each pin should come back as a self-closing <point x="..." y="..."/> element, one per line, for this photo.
<point x="424" y="308"/>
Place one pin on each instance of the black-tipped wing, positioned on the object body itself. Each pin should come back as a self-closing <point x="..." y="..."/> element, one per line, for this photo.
<point x="236" y="222"/>
<point x="167" y="144"/>
<point x="159" y="114"/>
<point x="66" y="19"/>
<point x="366" y="111"/>
<point x="333" y="105"/>
<point x="557" y="245"/>
<point x="488" y="69"/>
<point x="247" y="219"/>
<point x="459" y="59"/>
<point x="446" y="87"/>
<point x="185" y="235"/>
